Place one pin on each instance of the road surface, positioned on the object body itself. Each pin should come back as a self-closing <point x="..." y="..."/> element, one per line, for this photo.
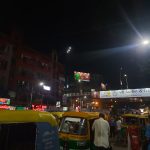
<point x="115" y="147"/>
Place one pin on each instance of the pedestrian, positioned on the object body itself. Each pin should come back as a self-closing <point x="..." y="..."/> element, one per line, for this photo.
<point x="112" y="124"/>
<point x="101" y="133"/>
<point x="147" y="135"/>
<point x="118" y="130"/>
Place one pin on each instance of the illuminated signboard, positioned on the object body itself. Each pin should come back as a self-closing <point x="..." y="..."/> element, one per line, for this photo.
<point x="4" y="101"/>
<point x="145" y="92"/>
<point x="81" y="76"/>
<point x="39" y="107"/>
<point x="4" y="107"/>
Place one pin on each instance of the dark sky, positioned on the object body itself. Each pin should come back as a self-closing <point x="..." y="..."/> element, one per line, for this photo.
<point x="104" y="34"/>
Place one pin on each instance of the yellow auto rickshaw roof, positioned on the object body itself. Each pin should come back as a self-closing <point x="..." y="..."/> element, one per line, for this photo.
<point x="20" y="116"/>
<point x="136" y="115"/>
<point x="130" y="115"/>
<point x="87" y="115"/>
<point x="58" y="114"/>
<point x="143" y="116"/>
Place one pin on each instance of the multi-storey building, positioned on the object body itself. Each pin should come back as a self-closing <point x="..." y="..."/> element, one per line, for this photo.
<point x="21" y="71"/>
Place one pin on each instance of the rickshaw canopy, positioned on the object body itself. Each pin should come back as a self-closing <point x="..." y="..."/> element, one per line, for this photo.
<point x="21" y="116"/>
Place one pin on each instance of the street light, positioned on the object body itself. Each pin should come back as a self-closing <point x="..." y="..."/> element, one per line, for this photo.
<point x="41" y="83"/>
<point x="67" y="52"/>
<point x="145" y="42"/>
<point x="47" y="88"/>
<point x="126" y="78"/>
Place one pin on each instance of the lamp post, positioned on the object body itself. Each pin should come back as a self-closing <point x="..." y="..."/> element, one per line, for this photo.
<point x="126" y="79"/>
<point x="80" y="93"/>
<point x="121" y="77"/>
<point x="31" y="97"/>
<point x="68" y="51"/>
<point x="47" y="88"/>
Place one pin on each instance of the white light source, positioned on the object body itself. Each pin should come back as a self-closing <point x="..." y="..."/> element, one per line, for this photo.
<point x="145" y="42"/>
<point x="85" y="97"/>
<point x="47" y="88"/>
<point x="125" y="75"/>
<point x="41" y="83"/>
<point x="69" y="50"/>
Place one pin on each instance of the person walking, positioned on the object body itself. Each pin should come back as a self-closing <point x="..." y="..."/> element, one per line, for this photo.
<point x="112" y="124"/>
<point x="118" y="130"/>
<point x="101" y="130"/>
<point x="147" y="135"/>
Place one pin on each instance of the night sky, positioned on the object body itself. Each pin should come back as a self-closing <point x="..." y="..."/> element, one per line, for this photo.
<point x="104" y="35"/>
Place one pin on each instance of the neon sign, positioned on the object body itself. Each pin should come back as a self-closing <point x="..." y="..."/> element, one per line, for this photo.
<point x="4" y="101"/>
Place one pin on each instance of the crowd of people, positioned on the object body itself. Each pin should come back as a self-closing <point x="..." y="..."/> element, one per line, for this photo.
<point x="111" y="129"/>
<point x="104" y="130"/>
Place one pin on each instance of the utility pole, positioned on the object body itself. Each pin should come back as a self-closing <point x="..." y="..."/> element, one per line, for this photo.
<point x="126" y="78"/>
<point x="31" y="97"/>
<point x="80" y="94"/>
<point x="121" y="77"/>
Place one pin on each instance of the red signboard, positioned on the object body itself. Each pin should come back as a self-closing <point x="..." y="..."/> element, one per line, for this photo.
<point x="39" y="107"/>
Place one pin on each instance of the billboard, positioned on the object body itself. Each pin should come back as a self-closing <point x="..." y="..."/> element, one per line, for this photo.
<point x="4" y="101"/>
<point x="81" y="76"/>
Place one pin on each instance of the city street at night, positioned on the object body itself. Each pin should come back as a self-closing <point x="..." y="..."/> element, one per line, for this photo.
<point x="75" y="75"/>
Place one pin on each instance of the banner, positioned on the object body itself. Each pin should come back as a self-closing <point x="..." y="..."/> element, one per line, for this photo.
<point x="127" y="93"/>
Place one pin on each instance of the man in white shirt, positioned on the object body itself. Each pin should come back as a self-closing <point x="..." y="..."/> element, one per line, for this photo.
<point x="118" y="127"/>
<point x="101" y="133"/>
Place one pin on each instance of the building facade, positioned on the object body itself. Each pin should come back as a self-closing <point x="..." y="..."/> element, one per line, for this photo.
<point x="79" y="94"/>
<point x="23" y="68"/>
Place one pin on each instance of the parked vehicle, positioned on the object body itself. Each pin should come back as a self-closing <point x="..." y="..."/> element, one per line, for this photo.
<point x="75" y="130"/>
<point x="28" y="130"/>
<point x="134" y="121"/>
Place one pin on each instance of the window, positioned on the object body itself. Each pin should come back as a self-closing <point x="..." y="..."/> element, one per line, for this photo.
<point x="74" y="126"/>
<point x="17" y="136"/>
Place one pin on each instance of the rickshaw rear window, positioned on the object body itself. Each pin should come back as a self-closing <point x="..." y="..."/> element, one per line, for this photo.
<point x="74" y="125"/>
<point x="17" y="136"/>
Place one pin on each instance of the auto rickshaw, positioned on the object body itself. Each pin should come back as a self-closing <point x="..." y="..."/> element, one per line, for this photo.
<point x="134" y="121"/>
<point x="75" y="130"/>
<point x="58" y="116"/>
<point x="28" y="130"/>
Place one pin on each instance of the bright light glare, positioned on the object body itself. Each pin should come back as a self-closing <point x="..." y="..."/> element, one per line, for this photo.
<point x="96" y="103"/>
<point x="69" y="49"/>
<point x="85" y="97"/>
<point x="41" y="83"/>
<point x="79" y="80"/>
<point x="47" y="88"/>
<point x="142" y="110"/>
<point x="125" y="75"/>
<point x="145" y="42"/>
